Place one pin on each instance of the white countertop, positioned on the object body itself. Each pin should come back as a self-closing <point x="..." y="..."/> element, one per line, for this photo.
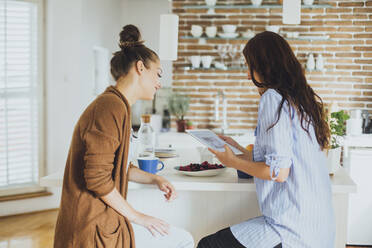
<point x="363" y="140"/>
<point x="226" y="181"/>
<point x="356" y="141"/>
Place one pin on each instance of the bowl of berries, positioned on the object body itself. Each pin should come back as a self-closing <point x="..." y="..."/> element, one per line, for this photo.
<point x="204" y="169"/>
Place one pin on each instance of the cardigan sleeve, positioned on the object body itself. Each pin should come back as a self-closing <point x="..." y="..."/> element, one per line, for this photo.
<point x="102" y="140"/>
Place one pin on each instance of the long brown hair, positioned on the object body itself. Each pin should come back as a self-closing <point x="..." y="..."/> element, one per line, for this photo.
<point x="271" y="57"/>
<point x="131" y="50"/>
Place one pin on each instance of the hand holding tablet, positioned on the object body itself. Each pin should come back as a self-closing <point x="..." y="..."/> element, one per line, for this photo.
<point x="211" y="140"/>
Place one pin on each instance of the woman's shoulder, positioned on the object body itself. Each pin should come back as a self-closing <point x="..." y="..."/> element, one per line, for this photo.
<point x="109" y="98"/>
<point x="110" y="102"/>
<point x="271" y="94"/>
<point x="269" y="98"/>
<point x="108" y="110"/>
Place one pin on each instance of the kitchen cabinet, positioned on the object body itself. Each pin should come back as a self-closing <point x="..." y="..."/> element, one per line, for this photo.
<point x="358" y="162"/>
<point x="208" y="204"/>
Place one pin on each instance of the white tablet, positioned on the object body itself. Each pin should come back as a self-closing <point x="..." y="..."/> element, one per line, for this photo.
<point x="211" y="140"/>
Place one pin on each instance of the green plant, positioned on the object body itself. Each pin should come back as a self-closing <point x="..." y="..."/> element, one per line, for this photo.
<point x="337" y="125"/>
<point x="178" y="105"/>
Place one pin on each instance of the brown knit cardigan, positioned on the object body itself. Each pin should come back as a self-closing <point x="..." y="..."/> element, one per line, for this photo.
<point x="96" y="163"/>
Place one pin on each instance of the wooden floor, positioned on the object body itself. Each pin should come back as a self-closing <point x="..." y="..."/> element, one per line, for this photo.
<point x="33" y="230"/>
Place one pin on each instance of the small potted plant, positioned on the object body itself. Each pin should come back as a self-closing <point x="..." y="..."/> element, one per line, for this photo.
<point x="178" y="106"/>
<point x="337" y="124"/>
<point x="189" y="125"/>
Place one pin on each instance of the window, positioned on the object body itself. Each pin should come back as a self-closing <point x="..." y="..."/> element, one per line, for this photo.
<point x="21" y="87"/>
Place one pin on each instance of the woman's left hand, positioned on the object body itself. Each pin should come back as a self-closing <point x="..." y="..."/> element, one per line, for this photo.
<point x="165" y="186"/>
<point x="227" y="157"/>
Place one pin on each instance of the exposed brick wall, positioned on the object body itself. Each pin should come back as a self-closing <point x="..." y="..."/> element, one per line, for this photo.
<point x="347" y="56"/>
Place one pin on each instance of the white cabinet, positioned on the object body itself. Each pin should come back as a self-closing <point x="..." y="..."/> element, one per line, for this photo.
<point x="359" y="165"/>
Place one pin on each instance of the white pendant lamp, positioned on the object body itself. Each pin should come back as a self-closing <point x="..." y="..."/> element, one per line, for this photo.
<point x="168" y="42"/>
<point x="291" y="11"/>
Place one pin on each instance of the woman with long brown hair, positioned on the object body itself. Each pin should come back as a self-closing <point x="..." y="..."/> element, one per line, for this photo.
<point x="288" y="162"/>
<point x="94" y="212"/>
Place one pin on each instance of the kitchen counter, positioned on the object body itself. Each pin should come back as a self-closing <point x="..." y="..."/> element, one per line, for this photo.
<point x="226" y="181"/>
<point x="208" y="204"/>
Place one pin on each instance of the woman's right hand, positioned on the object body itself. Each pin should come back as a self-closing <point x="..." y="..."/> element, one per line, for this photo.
<point x="153" y="224"/>
<point x="230" y="141"/>
<point x="247" y="155"/>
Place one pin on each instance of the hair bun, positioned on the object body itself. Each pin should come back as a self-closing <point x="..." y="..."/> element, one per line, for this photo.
<point x="130" y="37"/>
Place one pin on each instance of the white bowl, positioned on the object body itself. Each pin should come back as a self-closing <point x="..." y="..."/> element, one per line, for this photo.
<point x="292" y="35"/>
<point x="211" y="31"/>
<point x="219" y="65"/>
<point x="196" y="30"/>
<point x="196" y="34"/>
<point x="206" y="61"/>
<point x="195" y="61"/>
<point x="228" y="28"/>
<point x="308" y="2"/>
<point x="272" y="28"/>
<point x="228" y="35"/>
<point x="210" y="2"/>
<point x="249" y="34"/>
<point x="256" y="2"/>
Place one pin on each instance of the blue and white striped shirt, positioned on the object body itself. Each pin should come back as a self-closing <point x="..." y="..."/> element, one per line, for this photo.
<point x="297" y="213"/>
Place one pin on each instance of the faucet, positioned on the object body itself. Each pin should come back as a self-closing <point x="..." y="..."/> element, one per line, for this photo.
<point x="224" y="126"/>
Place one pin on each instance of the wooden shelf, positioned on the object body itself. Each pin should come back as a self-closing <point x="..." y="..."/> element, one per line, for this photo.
<point x="307" y="38"/>
<point x="315" y="70"/>
<point x="233" y="68"/>
<point x="190" y="68"/>
<point x="273" y="6"/>
<point x="214" y="38"/>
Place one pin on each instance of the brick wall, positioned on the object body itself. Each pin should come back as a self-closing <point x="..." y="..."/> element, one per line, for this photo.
<point x="347" y="56"/>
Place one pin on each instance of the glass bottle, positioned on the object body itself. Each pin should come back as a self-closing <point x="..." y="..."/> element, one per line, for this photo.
<point x="146" y="136"/>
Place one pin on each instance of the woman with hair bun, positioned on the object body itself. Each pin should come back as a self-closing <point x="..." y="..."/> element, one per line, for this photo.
<point x="94" y="211"/>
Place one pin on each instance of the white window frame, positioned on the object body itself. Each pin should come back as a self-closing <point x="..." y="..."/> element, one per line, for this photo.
<point x="33" y="188"/>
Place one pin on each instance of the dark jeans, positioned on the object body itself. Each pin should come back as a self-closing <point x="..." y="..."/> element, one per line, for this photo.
<point x="222" y="239"/>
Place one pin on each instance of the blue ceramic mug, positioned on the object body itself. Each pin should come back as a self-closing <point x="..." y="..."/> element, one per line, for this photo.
<point x="150" y="164"/>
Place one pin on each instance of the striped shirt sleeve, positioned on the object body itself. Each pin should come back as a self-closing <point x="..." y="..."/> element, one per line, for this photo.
<point x="276" y="142"/>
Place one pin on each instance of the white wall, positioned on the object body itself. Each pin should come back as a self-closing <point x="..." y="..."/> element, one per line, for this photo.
<point x="70" y="59"/>
<point x="145" y="14"/>
<point x="73" y="27"/>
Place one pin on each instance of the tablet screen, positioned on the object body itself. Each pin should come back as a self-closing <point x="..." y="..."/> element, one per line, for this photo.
<point x="211" y="140"/>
